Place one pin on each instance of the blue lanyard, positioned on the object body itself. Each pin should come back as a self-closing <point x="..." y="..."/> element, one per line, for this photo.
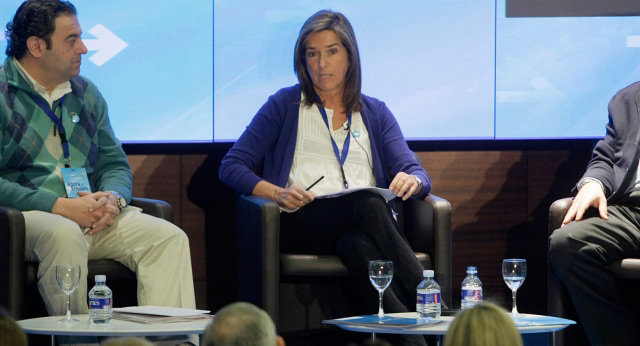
<point x="345" y="148"/>
<point x="58" y="121"/>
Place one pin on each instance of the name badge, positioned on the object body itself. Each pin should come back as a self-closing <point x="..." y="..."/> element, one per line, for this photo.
<point x="75" y="180"/>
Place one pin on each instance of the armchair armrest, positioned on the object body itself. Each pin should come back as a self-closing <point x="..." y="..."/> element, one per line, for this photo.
<point x="259" y="252"/>
<point x="154" y="207"/>
<point x="442" y="244"/>
<point x="427" y="226"/>
<point x="557" y="211"/>
<point x="12" y="265"/>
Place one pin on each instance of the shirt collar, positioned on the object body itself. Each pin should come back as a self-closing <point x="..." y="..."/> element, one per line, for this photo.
<point x="57" y="92"/>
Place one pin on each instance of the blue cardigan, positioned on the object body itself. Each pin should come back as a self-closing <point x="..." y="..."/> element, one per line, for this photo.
<point x="272" y="134"/>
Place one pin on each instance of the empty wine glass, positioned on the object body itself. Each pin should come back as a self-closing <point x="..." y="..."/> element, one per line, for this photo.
<point x="380" y="274"/>
<point x="514" y="271"/>
<point x="68" y="277"/>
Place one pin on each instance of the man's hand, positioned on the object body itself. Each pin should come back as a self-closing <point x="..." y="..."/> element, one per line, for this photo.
<point x="590" y="195"/>
<point x="404" y="186"/>
<point x="107" y="207"/>
<point x="92" y="210"/>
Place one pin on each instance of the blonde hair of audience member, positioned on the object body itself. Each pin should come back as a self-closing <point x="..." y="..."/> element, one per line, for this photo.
<point x="485" y="324"/>
<point x="10" y="331"/>
<point x="242" y="324"/>
<point x="128" y="341"/>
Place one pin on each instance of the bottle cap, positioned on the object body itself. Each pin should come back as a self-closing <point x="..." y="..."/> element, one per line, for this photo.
<point x="427" y="273"/>
<point x="472" y="270"/>
<point x="101" y="278"/>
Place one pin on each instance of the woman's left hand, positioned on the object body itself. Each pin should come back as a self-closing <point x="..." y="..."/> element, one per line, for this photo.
<point x="404" y="185"/>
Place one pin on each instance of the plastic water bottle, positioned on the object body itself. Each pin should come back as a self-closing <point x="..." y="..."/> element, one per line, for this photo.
<point x="428" y="300"/>
<point x="100" y="302"/>
<point x="471" y="289"/>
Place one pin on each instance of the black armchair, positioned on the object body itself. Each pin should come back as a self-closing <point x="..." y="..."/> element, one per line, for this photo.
<point x="18" y="278"/>
<point x="263" y="269"/>
<point x="560" y="303"/>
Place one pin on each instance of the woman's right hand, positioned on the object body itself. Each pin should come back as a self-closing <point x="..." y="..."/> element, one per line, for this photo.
<point x="292" y="198"/>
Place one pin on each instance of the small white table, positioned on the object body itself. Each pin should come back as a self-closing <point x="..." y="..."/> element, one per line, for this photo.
<point x="50" y="326"/>
<point x="439" y="329"/>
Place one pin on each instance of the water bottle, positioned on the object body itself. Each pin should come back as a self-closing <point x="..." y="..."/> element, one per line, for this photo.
<point x="428" y="302"/>
<point x="100" y="302"/>
<point x="471" y="289"/>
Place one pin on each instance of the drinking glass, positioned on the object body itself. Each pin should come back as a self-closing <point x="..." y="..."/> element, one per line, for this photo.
<point x="380" y="274"/>
<point x="514" y="271"/>
<point x="68" y="277"/>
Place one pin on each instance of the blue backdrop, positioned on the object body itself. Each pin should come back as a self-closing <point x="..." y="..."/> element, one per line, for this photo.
<point x="458" y="69"/>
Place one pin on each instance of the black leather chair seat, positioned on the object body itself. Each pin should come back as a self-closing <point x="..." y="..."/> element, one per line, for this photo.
<point x="324" y="265"/>
<point x="112" y="269"/>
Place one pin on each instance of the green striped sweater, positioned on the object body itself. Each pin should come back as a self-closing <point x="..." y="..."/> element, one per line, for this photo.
<point x="29" y="170"/>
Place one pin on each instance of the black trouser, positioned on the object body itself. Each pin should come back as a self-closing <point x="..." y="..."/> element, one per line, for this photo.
<point x="581" y="253"/>
<point x="360" y="227"/>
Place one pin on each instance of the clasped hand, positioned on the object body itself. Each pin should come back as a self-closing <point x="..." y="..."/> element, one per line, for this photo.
<point x="95" y="211"/>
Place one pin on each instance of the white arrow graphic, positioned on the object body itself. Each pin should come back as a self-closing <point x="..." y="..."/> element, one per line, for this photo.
<point x="106" y="44"/>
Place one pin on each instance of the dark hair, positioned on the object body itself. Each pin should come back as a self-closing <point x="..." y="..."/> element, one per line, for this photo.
<point x="34" y="18"/>
<point x="338" y="23"/>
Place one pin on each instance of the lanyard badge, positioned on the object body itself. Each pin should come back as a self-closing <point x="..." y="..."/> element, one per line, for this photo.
<point x="75" y="180"/>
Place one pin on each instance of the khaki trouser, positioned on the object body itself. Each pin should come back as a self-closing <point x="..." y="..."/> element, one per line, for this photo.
<point x="157" y="250"/>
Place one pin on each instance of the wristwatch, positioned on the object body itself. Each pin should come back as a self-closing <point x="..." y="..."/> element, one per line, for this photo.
<point x="586" y="180"/>
<point x="418" y="180"/>
<point x="121" y="201"/>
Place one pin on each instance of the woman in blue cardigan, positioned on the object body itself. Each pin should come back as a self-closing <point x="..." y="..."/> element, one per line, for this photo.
<point x="324" y="127"/>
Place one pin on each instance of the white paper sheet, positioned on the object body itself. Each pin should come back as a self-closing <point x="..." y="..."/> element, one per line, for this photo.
<point x="385" y="193"/>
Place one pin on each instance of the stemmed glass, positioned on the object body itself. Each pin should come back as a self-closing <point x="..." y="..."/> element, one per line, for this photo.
<point x="380" y="274"/>
<point x="514" y="271"/>
<point x="68" y="277"/>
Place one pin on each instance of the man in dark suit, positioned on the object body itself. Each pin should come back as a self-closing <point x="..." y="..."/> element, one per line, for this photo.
<point x="603" y="226"/>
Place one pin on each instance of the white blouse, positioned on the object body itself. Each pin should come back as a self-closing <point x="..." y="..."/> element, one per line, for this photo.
<point x="314" y="155"/>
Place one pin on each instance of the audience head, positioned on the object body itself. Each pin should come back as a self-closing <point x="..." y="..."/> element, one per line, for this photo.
<point x="338" y="23"/>
<point x="10" y="331"/>
<point x="34" y="18"/>
<point x="241" y="324"/>
<point x="485" y="324"/>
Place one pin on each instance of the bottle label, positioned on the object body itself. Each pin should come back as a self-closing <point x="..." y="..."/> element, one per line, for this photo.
<point x="428" y="298"/>
<point x="100" y="303"/>
<point x="472" y="295"/>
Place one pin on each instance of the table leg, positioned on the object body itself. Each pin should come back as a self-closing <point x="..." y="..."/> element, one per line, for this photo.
<point x="373" y="336"/>
<point x="53" y="340"/>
